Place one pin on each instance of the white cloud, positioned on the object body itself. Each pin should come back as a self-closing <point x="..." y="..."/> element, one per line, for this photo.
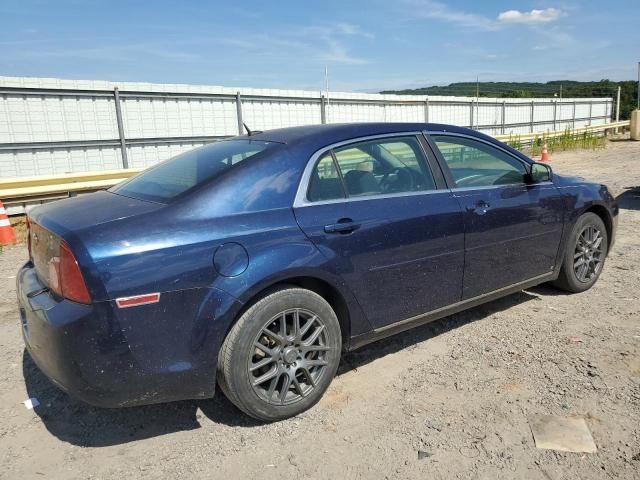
<point x="440" y="11"/>
<point x="113" y="52"/>
<point x="334" y="30"/>
<point x="533" y="17"/>
<point x="317" y="43"/>
<point x="337" y="53"/>
<point x="350" y="29"/>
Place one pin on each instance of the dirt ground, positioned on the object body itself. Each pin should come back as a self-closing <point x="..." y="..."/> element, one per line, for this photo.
<point x="459" y="390"/>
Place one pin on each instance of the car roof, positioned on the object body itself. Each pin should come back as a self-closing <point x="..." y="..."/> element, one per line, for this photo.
<point x="317" y="136"/>
<point x="302" y="142"/>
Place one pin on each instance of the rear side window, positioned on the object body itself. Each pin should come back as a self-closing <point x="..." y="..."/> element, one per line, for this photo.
<point x="477" y="164"/>
<point x="180" y="174"/>
<point x="375" y="167"/>
<point x="325" y="183"/>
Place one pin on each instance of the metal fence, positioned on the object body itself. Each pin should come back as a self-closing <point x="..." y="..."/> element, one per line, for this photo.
<point x="50" y="126"/>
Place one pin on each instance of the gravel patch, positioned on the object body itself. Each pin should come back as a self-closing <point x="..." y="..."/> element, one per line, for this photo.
<point x="448" y="400"/>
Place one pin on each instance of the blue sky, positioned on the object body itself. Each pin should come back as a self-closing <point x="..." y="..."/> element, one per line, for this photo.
<point x="367" y="45"/>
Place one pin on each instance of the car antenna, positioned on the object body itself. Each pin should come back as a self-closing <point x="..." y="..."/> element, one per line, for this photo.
<point x="249" y="131"/>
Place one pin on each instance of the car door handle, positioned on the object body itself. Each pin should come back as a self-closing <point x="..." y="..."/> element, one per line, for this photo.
<point x="344" y="225"/>
<point x="480" y="208"/>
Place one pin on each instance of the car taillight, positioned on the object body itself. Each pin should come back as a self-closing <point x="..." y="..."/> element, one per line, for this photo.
<point x="65" y="277"/>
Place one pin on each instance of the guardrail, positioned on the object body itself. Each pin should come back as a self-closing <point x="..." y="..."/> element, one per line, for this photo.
<point x="32" y="187"/>
<point x="528" y="137"/>
<point x="19" y="193"/>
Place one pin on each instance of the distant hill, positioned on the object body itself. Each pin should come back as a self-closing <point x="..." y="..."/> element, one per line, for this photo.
<point x="570" y="89"/>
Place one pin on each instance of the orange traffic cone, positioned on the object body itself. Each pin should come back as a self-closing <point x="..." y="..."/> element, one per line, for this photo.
<point x="545" y="154"/>
<point x="7" y="237"/>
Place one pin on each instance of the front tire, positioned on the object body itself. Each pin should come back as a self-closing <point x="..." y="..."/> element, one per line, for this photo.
<point x="281" y="355"/>
<point x="584" y="255"/>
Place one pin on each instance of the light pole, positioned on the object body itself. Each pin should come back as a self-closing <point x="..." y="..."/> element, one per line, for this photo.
<point x="618" y="107"/>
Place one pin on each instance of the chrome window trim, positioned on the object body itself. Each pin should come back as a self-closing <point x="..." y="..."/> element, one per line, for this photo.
<point x="371" y="197"/>
<point x="301" y="200"/>
<point x="506" y="185"/>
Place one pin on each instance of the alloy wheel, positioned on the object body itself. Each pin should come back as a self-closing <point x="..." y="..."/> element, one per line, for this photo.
<point x="587" y="257"/>
<point x="288" y="356"/>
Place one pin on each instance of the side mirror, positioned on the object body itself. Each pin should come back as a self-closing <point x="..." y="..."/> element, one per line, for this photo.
<point x="540" y="172"/>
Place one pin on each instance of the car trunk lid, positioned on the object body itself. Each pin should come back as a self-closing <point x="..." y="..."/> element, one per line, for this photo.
<point x="89" y="210"/>
<point x="65" y="220"/>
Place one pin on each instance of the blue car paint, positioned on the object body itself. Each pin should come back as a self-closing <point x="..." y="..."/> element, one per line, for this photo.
<point x="111" y="357"/>
<point x="419" y="237"/>
<point x="391" y="269"/>
<point x="527" y="218"/>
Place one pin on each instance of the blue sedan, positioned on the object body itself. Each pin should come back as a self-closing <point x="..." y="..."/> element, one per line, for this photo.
<point x="253" y="263"/>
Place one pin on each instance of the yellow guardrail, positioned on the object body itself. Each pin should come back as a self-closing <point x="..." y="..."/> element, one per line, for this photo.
<point x="558" y="133"/>
<point x="25" y="189"/>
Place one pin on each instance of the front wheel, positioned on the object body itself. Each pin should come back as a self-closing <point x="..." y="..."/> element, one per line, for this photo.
<point x="584" y="254"/>
<point x="281" y="355"/>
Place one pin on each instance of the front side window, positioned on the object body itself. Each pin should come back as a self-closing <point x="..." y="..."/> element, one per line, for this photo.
<point x="477" y="164"/>
<point x="375" y="167"/>
<point x="176" y="176"/>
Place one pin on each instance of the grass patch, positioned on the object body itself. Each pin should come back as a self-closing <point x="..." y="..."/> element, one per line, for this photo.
<point x="568" y="140"/>
<point x="515" y="142"/>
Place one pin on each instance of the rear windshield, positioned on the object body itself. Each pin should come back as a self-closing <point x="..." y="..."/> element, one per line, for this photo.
<point x="176" y="176"/>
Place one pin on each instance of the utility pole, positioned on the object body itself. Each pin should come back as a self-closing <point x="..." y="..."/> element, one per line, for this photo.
<point x="477" y="97"/>
<point x="326" y="80"/>
<point x="555" y="109"/>
<point x="638" y="85"/>
<point x="618" y="107"/>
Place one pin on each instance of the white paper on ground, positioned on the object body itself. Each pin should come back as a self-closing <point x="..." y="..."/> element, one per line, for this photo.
<point x="567" y="434"/>
<point x="31" y="403"/>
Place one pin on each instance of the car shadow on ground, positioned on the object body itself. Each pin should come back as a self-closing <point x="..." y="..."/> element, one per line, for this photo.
<point x="414" y="336"/>
<point x="81" y="424"/>
<point x="629" y="199"/>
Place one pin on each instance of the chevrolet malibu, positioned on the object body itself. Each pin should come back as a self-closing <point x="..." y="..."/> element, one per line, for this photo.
<point x="254" y="262"/>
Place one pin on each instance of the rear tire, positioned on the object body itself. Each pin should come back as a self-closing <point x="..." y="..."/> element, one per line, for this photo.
<point x="584" y="255"/>
<point x="281" y="355"/>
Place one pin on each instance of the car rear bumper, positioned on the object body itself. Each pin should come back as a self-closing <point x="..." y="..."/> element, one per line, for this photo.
<point x="106" y="358"/>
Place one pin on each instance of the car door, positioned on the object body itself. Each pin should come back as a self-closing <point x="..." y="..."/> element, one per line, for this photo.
<point x="374" y="209"/>
<point x="513" y="228"/>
